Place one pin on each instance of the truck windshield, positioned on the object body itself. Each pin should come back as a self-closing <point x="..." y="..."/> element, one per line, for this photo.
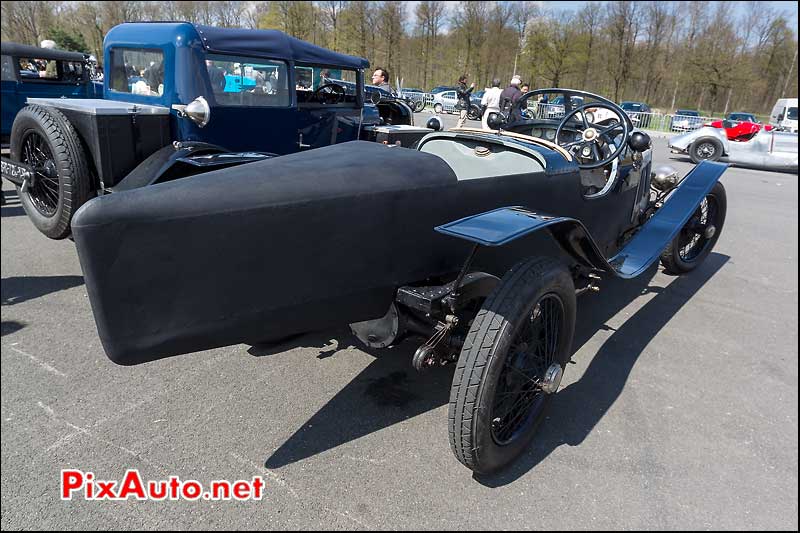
<point x="791" y="114"/>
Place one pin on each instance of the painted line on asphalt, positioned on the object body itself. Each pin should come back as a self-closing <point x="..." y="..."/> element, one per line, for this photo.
<point x="38" y="362"/>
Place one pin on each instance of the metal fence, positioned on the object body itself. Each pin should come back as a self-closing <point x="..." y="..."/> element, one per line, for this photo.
<point x="664" y="122"/>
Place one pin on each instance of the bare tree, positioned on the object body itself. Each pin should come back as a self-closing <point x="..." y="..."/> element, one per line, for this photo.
<point x="589" y="18"/>
<point x="623" y="31"/>
<point x="430" y="18"/>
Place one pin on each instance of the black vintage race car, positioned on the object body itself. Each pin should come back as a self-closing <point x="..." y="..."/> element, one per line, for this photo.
<point x="476" y="241"/>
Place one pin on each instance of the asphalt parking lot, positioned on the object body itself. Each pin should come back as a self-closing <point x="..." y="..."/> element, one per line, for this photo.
<point x="680" y="411"/>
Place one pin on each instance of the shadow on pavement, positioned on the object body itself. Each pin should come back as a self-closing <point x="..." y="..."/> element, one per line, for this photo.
<point x="389" y="391"/>
<point x="578" y="408"/>
<point x="16" y="290"/>
<point x="11" y="206"/>
<point x="8" y="327"/>
<point x="386" y="392"/>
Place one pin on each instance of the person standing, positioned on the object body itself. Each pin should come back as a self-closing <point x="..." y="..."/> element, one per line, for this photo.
<point x="380" y="78"/>
<point x="463" y="95"/>
<point x="491" y="102"/>
<point x="509" y="97"/>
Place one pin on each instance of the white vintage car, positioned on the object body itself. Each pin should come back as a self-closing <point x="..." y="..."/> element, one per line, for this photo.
<point x="774" y="150"/>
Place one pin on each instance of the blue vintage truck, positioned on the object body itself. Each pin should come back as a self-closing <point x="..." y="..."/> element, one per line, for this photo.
<point x="29" y="71"/>
<point x="180" y="99"/>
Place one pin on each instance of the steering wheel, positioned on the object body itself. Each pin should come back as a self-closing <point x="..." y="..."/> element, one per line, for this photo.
<point x="329" y="93"/>
<point x="594" y="137"/>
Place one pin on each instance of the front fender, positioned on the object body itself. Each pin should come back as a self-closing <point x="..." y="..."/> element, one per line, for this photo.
<point x="506" y="224"/>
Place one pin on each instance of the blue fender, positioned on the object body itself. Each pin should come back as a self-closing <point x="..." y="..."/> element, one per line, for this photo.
<point x="506" y="224"/>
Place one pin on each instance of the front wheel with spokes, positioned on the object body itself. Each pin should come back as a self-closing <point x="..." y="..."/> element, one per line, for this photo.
<point x="511" y="364"/>
<point x="697" y="237"/>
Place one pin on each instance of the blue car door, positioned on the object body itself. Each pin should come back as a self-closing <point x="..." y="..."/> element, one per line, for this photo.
<point x="328" y="106"/>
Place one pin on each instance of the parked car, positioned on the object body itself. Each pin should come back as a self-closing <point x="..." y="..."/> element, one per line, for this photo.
<point x="739" y="131"/>
<point x="784" y="114"/>
<point x="773" y="150"/>
<point x="29" y="71"/>
<point x="685" y="120"/>
<point x="447" y="102"/>
<point x="186" y="99"/>
<point x="640" y="113"/>
<point x="554" y="108"/>
<point x="476" y="242"/>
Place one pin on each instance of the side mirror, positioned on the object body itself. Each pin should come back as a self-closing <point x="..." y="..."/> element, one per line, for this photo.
<point x="639" y="141"/>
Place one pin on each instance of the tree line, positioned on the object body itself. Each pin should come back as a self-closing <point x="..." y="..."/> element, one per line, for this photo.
<point x="703" y="55"/>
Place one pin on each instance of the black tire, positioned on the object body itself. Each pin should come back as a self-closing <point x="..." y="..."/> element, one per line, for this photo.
<point x="419" y="106"/>
<point x="44" y="137"/>
<point x="474" y="112"/>
<point x="438" y="108"/>
<point x="476" y="438"/>
<point x="705" y="149"/>
<point x="693" y="244"/>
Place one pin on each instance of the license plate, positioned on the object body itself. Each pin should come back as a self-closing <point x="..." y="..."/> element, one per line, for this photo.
<point x="16" y="172"/>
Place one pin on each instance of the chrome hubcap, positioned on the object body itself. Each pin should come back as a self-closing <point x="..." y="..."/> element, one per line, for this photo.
<point x="552" y="378"/>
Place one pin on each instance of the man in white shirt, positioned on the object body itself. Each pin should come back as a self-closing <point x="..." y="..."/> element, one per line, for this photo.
<point x="491" y="100"/>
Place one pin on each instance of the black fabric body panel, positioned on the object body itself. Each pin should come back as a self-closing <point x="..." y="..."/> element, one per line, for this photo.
<point x="291" y="244"/>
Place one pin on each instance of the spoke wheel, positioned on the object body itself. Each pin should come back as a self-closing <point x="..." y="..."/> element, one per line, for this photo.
<point x="43" y="191"/>
<point x="520" y="394"/>
<point x="511" y="364"/>
<point x="698" y="236"/>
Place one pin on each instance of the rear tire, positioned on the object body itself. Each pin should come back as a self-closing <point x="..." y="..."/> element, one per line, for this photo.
<point x="693" y="244"/>
<point x="437" y="108"/>
<point x="705" y="149"/>
<point x="45" y="139"/>
<point x="487" y="424"/>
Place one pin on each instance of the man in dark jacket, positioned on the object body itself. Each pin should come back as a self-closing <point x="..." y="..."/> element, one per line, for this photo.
<point x="463" y="99"/>
<point x="509" y="97"/>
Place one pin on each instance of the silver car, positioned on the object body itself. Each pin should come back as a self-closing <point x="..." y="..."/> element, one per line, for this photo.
<point x="445" y="102"/>
<point x="774" y="150"/>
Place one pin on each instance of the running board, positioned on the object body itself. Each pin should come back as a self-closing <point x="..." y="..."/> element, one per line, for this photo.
<point x="503" y="225"/>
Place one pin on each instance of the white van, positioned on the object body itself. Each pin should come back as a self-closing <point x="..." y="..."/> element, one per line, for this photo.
<point x="784" y="114"/>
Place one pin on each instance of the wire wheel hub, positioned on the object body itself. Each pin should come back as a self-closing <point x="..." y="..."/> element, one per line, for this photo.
<point x="552" y="378"/>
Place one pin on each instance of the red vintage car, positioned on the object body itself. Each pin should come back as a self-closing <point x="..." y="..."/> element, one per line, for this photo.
<point x="739" y="131"/>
